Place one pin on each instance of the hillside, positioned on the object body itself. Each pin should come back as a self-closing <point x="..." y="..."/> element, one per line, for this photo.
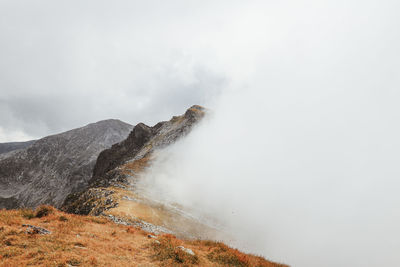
<point x="55" y="166"/>
<point x="113" y="191"/>
<point x="74" y="240"/>
<point x="7" y="147"/>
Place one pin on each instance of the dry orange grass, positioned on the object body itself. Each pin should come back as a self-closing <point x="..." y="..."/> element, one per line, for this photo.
<point x="158" y="214"/>
<point x="207" y="253"/>
<point x="94" y="241"/>
<point x="136" y="166"/>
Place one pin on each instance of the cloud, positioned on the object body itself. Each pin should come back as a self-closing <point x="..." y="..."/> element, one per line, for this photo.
<point x="299" y="163"/>
<point x="302" y="183"/>
<point x="67" y="64"/>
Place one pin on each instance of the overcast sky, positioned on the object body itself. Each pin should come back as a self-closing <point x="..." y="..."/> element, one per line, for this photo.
<point x="68" y="63"/>
<point x="302" y="150"/>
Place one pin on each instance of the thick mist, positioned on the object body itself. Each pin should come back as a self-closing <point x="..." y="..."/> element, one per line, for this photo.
<point x="305" y="184"/>
<point x="299" y="163"/>
<point x="308" y="184"/>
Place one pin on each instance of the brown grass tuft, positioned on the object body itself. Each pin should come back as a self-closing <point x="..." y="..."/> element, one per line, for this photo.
<point x="43" y="211"/>
<point x="166" y="250"/>
<point x="62" y="219"/>
<point x="224" y="255"/>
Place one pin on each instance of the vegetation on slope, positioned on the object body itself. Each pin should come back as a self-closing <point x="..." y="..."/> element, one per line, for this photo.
<point x="76" y="240"/>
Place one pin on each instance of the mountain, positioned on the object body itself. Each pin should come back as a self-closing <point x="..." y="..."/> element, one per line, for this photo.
<point x="95" y="171"/>
<point x="55" y="166"/>
<point x="114" y="192"/>
<point x="7" y="147"/>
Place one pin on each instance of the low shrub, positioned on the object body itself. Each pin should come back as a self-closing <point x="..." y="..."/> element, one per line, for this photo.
<point x="62" y="218"/>
<point x="43" y="211"/>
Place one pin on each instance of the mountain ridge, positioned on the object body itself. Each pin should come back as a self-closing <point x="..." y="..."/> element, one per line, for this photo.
<point x="11" y="146"/>
<point x="119" y="165"/>
<point x="56" y="165"/>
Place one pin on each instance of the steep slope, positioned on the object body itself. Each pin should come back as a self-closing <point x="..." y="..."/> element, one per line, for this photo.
<point x="7" y="147"/>
<point x="143" y="140"/>
<point x="113" y="190"/>
<point x="54" y="166"/>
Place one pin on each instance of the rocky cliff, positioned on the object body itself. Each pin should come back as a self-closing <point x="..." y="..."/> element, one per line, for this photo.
<point x="113" y="193"/>
<point x="55" y="166"/>
<point x="143" y="140"/>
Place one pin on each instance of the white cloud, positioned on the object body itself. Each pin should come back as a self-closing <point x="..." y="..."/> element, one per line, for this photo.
<point x="300" y="161"/>
<point x="13" y="136"/>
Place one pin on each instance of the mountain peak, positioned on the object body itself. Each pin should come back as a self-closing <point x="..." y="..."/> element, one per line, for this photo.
<point x="52" y="167"/>
<point x="109" y="122"/>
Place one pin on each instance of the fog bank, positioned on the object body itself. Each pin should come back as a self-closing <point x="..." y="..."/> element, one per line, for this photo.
<point x="306" y="184"/>
<point x="300" y="162"/>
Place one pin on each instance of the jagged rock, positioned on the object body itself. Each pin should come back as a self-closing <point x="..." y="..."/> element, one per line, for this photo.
<point x="187" y="250"/>
<point x="51" y="168"/>
<point x="118" y="220"/>
<point x="94" y="202"/>
<point x="143" y="140"/>
<point x="113" y="157"/>
<point x="148" y="227"/>
<point x="36" y="230"/>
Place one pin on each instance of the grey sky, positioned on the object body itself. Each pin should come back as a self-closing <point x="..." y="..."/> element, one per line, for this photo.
<point x="67" y="63"/>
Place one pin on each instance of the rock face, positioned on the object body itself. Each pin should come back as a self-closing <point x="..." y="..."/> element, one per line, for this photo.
<point x="53" y="167"/>
<point x="143" y="140"/>
<point x="7" y="147"/>
<point x="118" y="165"/>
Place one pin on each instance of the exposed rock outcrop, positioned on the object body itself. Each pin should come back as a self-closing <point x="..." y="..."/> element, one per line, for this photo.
<point x="32" y="229"/>
<point x="121" y="163"/>
<point x="143" y="140"/>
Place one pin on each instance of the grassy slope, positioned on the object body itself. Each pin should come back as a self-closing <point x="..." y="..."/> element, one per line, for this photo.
<point x="94" y="241"/>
